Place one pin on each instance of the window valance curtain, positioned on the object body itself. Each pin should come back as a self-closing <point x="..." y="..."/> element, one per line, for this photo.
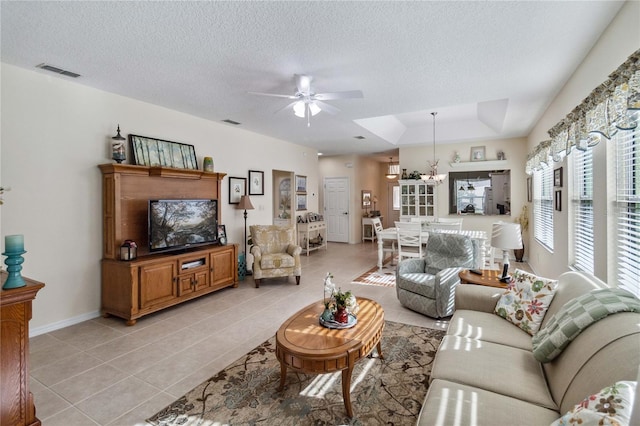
<point x="609" y="108"/>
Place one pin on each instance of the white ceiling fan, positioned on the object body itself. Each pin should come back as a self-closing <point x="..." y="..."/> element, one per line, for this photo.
<point x="306" y="102"/>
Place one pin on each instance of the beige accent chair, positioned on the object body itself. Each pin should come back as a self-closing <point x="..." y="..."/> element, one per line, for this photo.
<point x="275" y="252"/>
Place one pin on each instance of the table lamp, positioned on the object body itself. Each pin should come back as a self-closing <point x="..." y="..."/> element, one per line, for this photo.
<point x="506" y="236"/>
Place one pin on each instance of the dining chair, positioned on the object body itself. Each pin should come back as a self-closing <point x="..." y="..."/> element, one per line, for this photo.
<point x="415" y="226"/>
<point x="444" y="225"/>
<point x="410" y="244"/>
<point x="388" y="246"/>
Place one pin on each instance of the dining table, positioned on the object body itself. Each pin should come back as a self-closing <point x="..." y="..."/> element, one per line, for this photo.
<point x="479" y="236"/>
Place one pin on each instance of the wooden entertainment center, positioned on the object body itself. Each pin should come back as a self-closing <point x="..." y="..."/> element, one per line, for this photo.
<point x="151" y="282"/>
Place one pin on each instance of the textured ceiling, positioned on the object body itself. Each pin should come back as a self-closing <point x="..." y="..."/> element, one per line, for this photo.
<point x="488" y="68"/>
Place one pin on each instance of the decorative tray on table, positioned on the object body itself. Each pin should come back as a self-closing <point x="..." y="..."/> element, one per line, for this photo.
<point x="339" y="325"/>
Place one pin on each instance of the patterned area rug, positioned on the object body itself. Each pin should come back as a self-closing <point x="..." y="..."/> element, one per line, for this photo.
<point x="386" y="277"/>
<point x="385" y="391"/>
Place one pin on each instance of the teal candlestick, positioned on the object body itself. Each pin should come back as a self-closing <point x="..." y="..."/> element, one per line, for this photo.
<point x="14" y="266"/>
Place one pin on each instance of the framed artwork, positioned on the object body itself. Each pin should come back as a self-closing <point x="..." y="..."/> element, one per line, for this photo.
<point x="529" y="189"/>
<point x="301" y="183"/>
<point x="557" y="177"/>
<point x="559" y="200"/>
<point x="478" y="153"/>
<point x="222" y="234"/>
<point x="256" y="182"/>
<point x="301" y="201"/>
<point x="157" y="152"/>
<point x="237" y="188"/>
<point x="366" y="199"/>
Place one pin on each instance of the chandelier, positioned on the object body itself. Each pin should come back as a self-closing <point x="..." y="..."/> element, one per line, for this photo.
<point x="433" y="176"/>
<point x="391" y="174"/>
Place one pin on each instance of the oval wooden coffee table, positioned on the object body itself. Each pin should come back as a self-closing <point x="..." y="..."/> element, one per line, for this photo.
<point x="302" y="344"/>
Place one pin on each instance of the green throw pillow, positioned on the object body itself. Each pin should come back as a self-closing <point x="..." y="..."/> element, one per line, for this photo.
<point x="526" y="300"/>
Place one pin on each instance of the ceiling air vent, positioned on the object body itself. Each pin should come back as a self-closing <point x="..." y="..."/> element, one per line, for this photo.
<point x="58" y="70"/>
<point x="359" y="137"/>
<point x="235" y="123"/>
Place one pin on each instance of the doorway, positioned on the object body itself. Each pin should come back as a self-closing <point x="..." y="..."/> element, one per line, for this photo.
<point x="336" y="209"/>
<point x="282" y="197"/>
<point x="393" y="204"/>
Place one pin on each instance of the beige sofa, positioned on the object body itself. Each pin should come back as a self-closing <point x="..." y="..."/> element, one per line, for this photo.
<point x="484" y="372"/>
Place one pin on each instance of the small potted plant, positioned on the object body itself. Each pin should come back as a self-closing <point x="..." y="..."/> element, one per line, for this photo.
<point x="342" y="300"/>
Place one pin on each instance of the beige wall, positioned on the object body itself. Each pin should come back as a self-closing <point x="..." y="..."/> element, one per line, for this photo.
<point x="55" y="133"/>
<point x="620" y="40"/>
<point x="515" y="150"/>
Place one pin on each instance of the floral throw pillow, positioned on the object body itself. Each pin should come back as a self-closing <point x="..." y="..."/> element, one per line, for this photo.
<point x="526" y="300"/>
<point x="611" y="406"/>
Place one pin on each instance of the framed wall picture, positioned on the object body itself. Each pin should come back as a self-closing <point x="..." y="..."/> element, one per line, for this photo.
<point x="301" y="201"/>
<point x="237" y="188"/>
<point x="529" y="189"/>
<point x="559" y="200"/>
<point x="366" y="199"/>
<point x="222" y="234"/>
<point x="557" y="177"/>
<point x="256" y="182"/>
<point x="301" y="183"/>
<point x="478" y="153"/>
<point x="157" y="152"/>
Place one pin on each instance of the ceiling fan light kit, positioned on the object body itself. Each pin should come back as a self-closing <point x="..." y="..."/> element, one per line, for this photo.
<point x="433" y="176"/>
<point x="306" y="103"/>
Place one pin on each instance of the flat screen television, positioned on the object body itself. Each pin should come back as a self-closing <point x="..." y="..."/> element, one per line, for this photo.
<point x="179" y="224"/>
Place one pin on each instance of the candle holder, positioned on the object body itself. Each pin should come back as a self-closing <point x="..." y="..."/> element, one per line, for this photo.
<point x="14" y="262"/>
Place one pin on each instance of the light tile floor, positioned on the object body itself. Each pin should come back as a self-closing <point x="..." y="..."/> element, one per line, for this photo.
<point x="102" y="372"/>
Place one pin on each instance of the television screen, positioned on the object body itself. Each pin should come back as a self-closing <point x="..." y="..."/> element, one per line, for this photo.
<point x="175" y="224"/>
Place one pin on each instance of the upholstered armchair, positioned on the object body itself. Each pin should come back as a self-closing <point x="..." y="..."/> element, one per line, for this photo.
<point x="427" y="285"/>
<point x="275" y="252"/>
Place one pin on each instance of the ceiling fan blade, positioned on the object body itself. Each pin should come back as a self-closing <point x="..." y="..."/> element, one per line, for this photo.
<point x="327" y="108"/>
<point x="289" y="106"/>
<point x="303" y="83"/>
<point x="275" y="95"/>
<point x="349" y="94"/>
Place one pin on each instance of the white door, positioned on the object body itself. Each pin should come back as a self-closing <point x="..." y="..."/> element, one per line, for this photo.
<point x="336" y="209"/>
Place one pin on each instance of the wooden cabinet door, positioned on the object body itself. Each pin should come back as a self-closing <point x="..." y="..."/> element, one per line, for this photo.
<point x="157" y="283"/>
<point x="222" y="267"/>
<point x="185" y="284"/>
<point x="201" y="280"/>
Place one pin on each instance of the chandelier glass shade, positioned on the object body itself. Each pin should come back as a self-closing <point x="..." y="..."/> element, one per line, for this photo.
<point x="390" y="170"/>
<point x="433" y="175"/>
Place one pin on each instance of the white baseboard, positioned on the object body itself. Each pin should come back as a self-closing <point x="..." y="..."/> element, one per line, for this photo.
<point x="36" y="331"/>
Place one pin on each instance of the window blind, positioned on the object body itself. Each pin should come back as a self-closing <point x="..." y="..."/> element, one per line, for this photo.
<point x="543" y="206"/>
<point x="582" y="214"/>
<point x="627" y="261"/>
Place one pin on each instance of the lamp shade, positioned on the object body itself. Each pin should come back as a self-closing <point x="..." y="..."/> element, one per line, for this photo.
<point x="245" y="203"/>
<point x="506" y="236"/>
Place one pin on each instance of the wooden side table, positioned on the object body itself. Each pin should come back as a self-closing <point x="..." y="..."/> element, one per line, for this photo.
<point x="489" y="278"/>
<point x="16" y="400"/>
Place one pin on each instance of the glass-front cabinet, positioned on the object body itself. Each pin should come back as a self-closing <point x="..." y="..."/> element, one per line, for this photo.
<point x="417" y="198"/>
